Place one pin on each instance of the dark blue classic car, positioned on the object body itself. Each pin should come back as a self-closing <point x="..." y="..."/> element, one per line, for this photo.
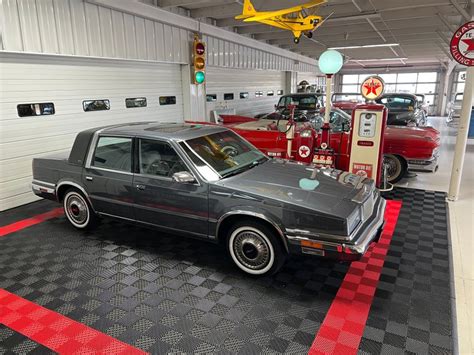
<point x="208" y="182"/>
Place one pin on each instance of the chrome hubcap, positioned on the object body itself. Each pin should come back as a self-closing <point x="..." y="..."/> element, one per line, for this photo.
<point x="251" y="250"/>
<point x="393" y="168"/>
<point x="77" y="209"/>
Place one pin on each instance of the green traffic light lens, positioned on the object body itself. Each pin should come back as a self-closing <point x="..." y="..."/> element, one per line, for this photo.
<point x="199" y="77"/>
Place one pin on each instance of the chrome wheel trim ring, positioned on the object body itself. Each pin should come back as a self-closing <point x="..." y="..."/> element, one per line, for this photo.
<point x="251" y="250"/>
<point x="77" y="210"/>
<point x="394" y="167"/>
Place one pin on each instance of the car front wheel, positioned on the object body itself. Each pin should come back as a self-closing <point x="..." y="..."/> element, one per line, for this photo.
<point x="254" y="248"/>
<point x="78" y="211"/>
<point x="396" y="167"/>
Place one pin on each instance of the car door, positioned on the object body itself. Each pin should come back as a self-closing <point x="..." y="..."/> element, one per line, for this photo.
<point x="108" y="176"/>
<point x="161" y="201"/>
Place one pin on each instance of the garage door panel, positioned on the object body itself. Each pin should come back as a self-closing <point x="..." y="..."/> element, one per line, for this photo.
<point x="67" y="83"/>
<point x="224" y="80"/>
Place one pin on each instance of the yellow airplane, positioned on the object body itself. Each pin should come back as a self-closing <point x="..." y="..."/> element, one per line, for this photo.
<point x="301" y="22"/>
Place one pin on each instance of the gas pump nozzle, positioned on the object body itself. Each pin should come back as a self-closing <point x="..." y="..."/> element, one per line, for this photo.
<point x="290" y="132"/>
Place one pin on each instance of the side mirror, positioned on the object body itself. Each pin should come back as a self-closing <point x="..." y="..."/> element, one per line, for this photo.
<point x="276" y="106"/>
<point x="183" y="177"/>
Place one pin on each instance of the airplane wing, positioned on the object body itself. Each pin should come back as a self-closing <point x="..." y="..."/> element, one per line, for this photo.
<point x="270" y="14"/>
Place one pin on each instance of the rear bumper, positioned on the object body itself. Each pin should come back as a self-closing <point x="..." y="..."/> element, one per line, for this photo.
<point x="44" y="189"/>
<point x="346" y="251"/>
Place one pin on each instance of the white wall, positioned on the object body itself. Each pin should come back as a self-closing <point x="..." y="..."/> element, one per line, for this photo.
<point x="67" y="82"/>
<point x="222" y="80"/>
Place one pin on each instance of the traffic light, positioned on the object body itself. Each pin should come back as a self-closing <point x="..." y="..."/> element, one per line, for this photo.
<point x="199" y="61"/>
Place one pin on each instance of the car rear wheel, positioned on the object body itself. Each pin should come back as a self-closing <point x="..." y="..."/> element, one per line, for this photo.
<point x="78" y="210"/>
<point x="396" y="167"/>
<point x="254" y="248"/>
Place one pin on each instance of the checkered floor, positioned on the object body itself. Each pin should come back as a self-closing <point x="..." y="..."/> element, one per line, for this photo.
<point x="163" y="293"/>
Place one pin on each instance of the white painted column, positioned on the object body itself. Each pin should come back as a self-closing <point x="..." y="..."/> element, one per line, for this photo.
<point x="461" y="141"/>
<point x="290" y="82"/>
<point x="444" y="92"/>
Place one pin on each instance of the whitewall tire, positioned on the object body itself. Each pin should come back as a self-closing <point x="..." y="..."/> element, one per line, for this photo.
<point x="77" y="210"/>
<point x="254" y="248"/>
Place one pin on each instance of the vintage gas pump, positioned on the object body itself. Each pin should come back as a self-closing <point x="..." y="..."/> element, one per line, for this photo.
<point x="367" y="134"/>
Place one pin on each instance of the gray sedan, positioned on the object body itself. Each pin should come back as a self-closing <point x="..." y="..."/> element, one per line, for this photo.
<point x="208" y="182"/>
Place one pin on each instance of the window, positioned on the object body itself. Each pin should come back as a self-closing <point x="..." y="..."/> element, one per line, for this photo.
<point x="429" y="77"/>
<point x="350" y="79"/>
<point x="211" y="97"/>
<point x="159" y="159"/>
<point x="407" y="77"/>
<point x="244" y="95"/>
<point x="270" y="93"/>
<point x="426" y="88"/>
<point x="350" y="88"/>
<point x="114" y="153"/>
<point x="95" y="105"/>
<point x="389" y="78"/>
<point x="167" y="100"/>
<point x="408" y="88"/>
<point x="42" y="109"/>
<point x="280" y="92"/>
<point x="135" y="102"/>
<point x="258" y="93"/>
<point x="229" y="96"/>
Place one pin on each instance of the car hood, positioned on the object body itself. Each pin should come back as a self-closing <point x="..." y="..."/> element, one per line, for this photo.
<point x="410" y="133"/>
<point x="323" y="190"/>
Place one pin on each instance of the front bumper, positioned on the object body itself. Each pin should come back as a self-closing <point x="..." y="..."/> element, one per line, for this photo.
<point x="346" y="251"/>
<point x="430" y="165"/>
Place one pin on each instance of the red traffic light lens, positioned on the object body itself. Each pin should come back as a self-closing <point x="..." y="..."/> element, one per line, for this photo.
<point x="200" y="48"/>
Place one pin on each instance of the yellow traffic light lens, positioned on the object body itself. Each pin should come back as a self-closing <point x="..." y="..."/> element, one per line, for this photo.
<point x="199" y="63"/>
<point x="199" y="76"/>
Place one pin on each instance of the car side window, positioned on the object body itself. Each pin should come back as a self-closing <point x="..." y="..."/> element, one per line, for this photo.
<point x="336" y="121"/>
<point x="114" y="153"/>
<point x="159" y="159"/>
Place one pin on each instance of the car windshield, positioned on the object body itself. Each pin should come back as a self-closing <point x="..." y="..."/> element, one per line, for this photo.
<point x="398" y="103"/>
<point x="347" y="97"/>
<point x="225" y="152"/>
<point x="302" y="102"/>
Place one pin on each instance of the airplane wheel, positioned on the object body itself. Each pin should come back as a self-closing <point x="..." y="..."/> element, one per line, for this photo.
<point x="309" y="34"/>
<point x="296" y="40"/>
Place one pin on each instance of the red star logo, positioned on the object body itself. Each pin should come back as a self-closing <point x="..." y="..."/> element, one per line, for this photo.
<point x="304" y="152"/>
<point x="372" y="87"/>
<point x="470" y="44"/>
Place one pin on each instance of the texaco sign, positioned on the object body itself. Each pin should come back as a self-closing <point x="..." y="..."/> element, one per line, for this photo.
<point x="462" y="44"/>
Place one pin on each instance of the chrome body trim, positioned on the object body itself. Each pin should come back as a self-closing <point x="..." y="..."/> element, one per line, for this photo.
<point x="257" y="215"/>
<point x="39" y="188"/>
<point x="76" y="185"/>
<point x="360" y="245"/>
<point x="424" y="165"/>
<point x="43" y="183"/>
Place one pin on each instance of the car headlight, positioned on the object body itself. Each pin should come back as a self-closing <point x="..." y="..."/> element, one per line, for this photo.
<point x="306" y="133"/>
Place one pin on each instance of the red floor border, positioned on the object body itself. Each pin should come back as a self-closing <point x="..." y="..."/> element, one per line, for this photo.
<point x="25" y="223"/>
<point x="55" y="331"/>
<point x="343" y="326"/>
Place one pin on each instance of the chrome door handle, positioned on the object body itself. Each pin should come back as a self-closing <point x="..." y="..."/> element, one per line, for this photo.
<point x="89" y="178"/>
<point x="140" y="187"/>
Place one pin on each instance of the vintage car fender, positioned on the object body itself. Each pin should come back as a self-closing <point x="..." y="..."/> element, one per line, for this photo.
<point x="76" y="184"/>
<point x="257" y="213"/>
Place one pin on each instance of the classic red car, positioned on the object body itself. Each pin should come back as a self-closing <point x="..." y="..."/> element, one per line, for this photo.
<point x="404" y="147"/>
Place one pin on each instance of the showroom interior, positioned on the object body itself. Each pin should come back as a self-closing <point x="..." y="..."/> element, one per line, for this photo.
<point x="235" y="176"/>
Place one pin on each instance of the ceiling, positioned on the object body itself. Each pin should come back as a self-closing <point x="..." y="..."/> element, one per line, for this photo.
<point x="421" y="28"/>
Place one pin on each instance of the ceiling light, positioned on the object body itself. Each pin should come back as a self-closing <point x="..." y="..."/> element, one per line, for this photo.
<point x="377" y="60"/>
<point x="368" y="46"/>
